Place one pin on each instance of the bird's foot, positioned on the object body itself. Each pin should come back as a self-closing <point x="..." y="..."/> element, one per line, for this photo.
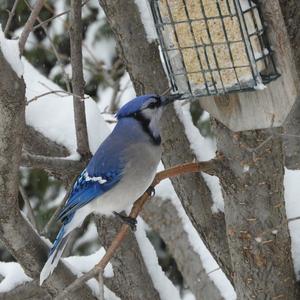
<point x="151" y="191"/>
<point x="127" y="220"/>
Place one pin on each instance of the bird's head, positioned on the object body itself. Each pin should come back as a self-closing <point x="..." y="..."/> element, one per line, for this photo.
<point x="147" y="109"/>
<point x="149" y="106"/>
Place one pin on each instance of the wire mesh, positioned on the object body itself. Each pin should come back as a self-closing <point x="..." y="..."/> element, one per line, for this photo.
<point x="213" y="47"/>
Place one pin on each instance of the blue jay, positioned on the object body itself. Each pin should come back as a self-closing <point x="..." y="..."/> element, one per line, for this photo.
<point x="119" y="173"/>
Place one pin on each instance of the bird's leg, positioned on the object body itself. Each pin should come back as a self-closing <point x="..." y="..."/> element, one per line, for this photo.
<point x="151" y="191"/>
<point x="127" y="220"/>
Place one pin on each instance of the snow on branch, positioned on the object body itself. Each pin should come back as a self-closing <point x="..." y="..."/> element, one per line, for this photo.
<point x="11" y="53"/>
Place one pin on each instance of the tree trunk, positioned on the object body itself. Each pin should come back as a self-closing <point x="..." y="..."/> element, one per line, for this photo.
<point x="291" y="12"/>
<point x="15" y="232"/>
<point x="256" y="221"/>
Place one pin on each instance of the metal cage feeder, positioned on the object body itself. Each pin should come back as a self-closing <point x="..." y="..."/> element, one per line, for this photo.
<point x="213" y="47"/>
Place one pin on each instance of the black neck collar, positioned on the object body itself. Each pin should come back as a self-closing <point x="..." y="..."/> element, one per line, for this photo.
<point x="145" y="125"/>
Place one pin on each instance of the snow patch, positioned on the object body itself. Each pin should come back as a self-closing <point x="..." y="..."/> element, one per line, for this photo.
<point x="291" y="195"/>
<point x="13" y="275"/>
<point x="53" y="115"/>
<point x="82" y="264"/>
<point x="161" y="282"/>
<point x="259" y="86"/>
<point x="204" y="149"/>
<point x="295" y="241"/>
<point x="11" y="53"/>
<point x="292" y="192"/>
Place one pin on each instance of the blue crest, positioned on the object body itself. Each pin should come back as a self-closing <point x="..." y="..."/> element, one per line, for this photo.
<point x="134" y="105"/>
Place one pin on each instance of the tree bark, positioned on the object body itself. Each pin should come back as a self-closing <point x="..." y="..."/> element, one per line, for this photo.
<point x="36" y="143"/>
<point x="256" y="221"/>
<point x="15" y="232"/>
<point x="78" y="81"/>
<point x="291" y="12"/>
<point x="146" y="72"/>
<point x="27" y="291"/>
<point x="131" y="280"/>
<point x="163" y="218"/>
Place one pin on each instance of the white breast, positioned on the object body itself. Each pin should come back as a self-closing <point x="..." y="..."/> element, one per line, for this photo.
<point x="139" y="172"/>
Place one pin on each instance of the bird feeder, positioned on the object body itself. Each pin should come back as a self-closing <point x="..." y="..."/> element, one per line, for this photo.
<point x="215" y="47"/>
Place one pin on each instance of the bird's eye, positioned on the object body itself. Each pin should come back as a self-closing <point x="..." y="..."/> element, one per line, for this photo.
<point x="152" y="105"/>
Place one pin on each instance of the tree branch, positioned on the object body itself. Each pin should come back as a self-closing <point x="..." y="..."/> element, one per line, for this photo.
<point x="52" y="164"/>
<point x="210" y="167"/>
<point x="10" y="17"/>
<point x="78" y="80"/>
<point x="36" y="143"/>
<point x="29" y="24"/>
<point x="31" y="215"/>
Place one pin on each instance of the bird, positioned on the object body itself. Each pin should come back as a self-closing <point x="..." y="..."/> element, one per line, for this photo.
<point x="120" y="171"/>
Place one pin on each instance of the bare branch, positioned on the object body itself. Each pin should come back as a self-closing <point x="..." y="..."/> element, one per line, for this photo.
<point x="57" y="92"/>
<point x="29" y="24"/>
<point x="10" y="17"/>
<point x="58" y="57"/>
<point x="77" y="80"/>
<point x="57" y="16"/>
<point x="52" y="164"/>
<point x="53" y="218"/>
<point x="211" y="167"/>
<point x="101" y="285"/>
<point x="293" y="219"/>
<point x="31" y="215"/>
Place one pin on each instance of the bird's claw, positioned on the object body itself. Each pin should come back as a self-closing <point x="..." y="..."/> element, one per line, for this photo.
<point x="127" y="220"/>
<point x="151" y="191"/>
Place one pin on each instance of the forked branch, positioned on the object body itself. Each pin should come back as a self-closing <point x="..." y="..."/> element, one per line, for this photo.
<point x="211" y="167"/>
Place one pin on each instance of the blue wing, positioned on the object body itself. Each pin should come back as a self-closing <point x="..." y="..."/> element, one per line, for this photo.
<point x="103" y="172"/>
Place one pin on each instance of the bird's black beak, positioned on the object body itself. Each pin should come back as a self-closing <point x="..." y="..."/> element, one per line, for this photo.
<point x="170" y="99"/>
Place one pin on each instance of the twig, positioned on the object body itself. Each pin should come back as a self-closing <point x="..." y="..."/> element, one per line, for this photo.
<point x="53" y="219"/>
<point x="294" y="219"/>
<point x="29" y="24"/>
<point x="57" y="55"/>
<point x="101" y="285"/>
<point x="211" y="167"/>
<point x="57" y="92"/>
<point x="31" y="216"/>
<point x="114" y="99"/>
<point x="77" y="80"/>
<point x="48" y="93"/>
<point x="57" y="16"/>
<point x="10" y="17"/>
